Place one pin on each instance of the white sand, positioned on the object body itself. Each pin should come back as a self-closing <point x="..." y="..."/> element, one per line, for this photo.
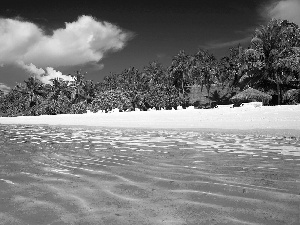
<point x="266" y="117"/>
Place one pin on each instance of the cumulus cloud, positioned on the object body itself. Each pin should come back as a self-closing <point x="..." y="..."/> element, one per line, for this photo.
<point x="30" y="68"/>
<point x="4" y="88"/>
<point x="44" y="75"/>
<point x="16" y="39"/>
<point x="286" y="10"/>
<point x="79" y="42"/>
<point x="52" y="73"/>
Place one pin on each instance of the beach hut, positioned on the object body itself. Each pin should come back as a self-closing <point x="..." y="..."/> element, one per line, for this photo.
<point x="251" y="95"/>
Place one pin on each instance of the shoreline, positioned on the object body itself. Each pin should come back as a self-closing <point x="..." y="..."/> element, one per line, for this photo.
<point x="285" y="133"/>
<point x="277" y="120"/>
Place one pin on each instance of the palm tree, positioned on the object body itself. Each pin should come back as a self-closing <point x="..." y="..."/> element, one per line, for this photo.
<point x="16" y="101"/>
<point x="59" y="87"/>
<point x="230" y="68"/>
<point x="180" y="70"/>
<point x="81" y="88"/>
<point x="159" y="89"/>
<point x="34" y="89"/>
<point x="274" y="54"/>
<point x="59" y="98"/>
<point x="204" y="69"/>
<point x="154" y="74"/>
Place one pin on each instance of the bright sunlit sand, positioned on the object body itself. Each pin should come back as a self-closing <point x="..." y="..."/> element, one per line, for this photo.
<point x="241" y="118"/>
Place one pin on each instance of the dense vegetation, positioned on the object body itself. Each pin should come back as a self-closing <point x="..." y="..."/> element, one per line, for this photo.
<point x="270" y="64"/>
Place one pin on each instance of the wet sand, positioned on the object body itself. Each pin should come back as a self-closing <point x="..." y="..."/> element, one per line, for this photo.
<point x="57" y="175"/>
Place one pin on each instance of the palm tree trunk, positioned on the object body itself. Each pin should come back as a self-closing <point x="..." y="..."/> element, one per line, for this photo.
<point x="208" y="95"/>
<point x="182" y="86"/>
<point x="278" y="89"/>
<point x="278" y="93"/>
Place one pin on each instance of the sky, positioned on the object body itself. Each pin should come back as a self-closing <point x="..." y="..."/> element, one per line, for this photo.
<point x="48" y="39"/>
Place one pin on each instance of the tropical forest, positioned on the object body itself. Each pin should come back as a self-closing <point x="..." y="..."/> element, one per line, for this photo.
<point x="270" y="64"/>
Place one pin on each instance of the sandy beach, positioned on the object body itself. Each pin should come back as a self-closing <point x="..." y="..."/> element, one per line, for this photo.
<point x="274" y="119"/>
<point x="109" y="170"/>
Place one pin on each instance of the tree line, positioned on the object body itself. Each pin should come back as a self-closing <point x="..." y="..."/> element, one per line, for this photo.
<point x="271" y="63"/>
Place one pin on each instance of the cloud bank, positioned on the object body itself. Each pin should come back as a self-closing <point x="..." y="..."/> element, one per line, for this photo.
<point x="286" y="10"/>
<point x="85" y="40"/>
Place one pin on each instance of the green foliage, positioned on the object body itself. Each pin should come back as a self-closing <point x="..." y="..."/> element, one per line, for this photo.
<point x="160" y="91"/>
<point x="230" y="68"/>
<point x="205" y="67"/>
<point x="160" y="96"/>
<point x="109" y="100"/>
<point x="180" y="71"/>
<point x="222" y="96"/>
<point x="274" y="56"/>
<point x="151" y="88"/>
<point x="292" y="97"/>
<point x="15" y="102"/>
<point x="189" y="70"/>
<point x="60" y="105"/>
<point x="79" y="108"/>
<point x="271" y="64"/>
<point x="81" y="89"/>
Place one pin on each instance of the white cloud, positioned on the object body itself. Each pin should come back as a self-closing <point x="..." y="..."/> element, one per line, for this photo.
<point x="52" y="73"/>
<point x="32" y="69"/>
<point x="80" y="42"/>
<point x="286" y="10"/>
<point x="4" y="88"/>
<point x="16" y="39"/>
<point x="44" y="75"/>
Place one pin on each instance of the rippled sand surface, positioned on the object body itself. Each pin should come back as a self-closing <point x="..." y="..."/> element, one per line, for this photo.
<point x="56" y="175"/>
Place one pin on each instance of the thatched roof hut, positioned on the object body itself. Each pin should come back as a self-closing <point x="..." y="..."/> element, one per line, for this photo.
<point x="251" y="95"/>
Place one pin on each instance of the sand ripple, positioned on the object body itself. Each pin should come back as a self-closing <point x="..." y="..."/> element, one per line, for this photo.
<point x="56" y="175"/>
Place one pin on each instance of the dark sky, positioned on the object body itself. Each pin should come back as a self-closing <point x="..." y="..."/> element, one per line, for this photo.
<point x="158" y="29"/>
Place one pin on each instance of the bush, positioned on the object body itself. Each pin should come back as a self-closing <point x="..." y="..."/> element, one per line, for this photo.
<point x="161" y="96"/>
<point x="109" y="100"/>
<point x="79" y="108"/>
<point x="61" y="105"/>
<point x="158" y="97"/>
<point x="292" y="97"/>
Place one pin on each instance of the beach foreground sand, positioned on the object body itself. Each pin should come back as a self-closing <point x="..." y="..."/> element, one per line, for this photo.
<point x="267" y="118"/>
<point x="165" y="174"/>
<point x="112" y="176"/>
